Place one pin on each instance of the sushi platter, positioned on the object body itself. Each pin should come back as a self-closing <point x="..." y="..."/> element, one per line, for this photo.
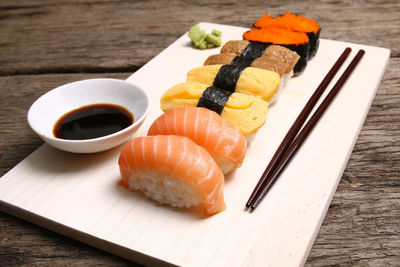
<point x="78" y="195"/>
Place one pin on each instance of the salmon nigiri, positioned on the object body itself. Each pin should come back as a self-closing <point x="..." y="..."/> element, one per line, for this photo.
<point x="221" y="138"/>
<point x="172" y="170"/>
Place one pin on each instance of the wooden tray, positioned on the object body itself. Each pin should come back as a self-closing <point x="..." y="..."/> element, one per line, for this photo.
<point x="78" y="195"/>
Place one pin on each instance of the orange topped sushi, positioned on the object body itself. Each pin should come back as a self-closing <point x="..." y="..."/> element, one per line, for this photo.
<point x="297" y="33"/>
<point x="294" y="23"/>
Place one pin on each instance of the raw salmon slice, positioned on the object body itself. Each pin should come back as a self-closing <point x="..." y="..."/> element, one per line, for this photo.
<point x="172" y="170"/>
<point x="221" y="138"/>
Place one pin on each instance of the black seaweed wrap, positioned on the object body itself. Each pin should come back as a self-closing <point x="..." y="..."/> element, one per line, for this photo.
<point x="249" y="54"/>
<point x="227" y="77"/>
<point x="242" y="62"/>
<point x="314" y="42"/>
<point x="214" y="98"/>
<point x="254" y="50"/>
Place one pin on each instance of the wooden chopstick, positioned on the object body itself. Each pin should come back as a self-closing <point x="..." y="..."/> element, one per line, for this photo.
<point x="283" y="157"/>
<point x="291" y="134"/>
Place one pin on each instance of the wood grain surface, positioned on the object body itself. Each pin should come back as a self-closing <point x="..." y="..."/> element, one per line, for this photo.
<point x="44" y="44"/>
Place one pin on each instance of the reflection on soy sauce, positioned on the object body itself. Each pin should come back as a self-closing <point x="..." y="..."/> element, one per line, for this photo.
<point x="92" y="121"/>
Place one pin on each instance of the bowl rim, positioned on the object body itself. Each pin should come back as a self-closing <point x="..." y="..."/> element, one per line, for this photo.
<point x="97" y="139"/>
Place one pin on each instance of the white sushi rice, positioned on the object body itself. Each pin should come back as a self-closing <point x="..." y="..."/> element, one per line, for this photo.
<point x="284" y="79"/>
<point x="165" y="189"/>
<point x="225" y="164"/>
<point x="250" y="138"/>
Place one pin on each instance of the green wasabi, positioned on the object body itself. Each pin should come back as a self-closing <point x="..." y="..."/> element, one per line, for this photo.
<point x="202" y="40"/>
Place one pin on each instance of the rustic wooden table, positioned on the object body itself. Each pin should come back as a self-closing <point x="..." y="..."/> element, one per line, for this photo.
<point x="44" y="44"/>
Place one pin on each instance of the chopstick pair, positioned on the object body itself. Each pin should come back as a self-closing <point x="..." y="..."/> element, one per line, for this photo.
<point x="291" y="143"/>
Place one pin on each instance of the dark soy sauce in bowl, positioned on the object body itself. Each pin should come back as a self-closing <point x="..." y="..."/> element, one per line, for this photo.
<point x="92" y="121"/>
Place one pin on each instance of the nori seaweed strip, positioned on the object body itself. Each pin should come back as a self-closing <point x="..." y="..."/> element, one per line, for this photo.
<point x="214" y="98"/>
<point x="254" y="50"/>
<point x="249" y="54"/>
<point x="242" y="62"/>
<point x="227" y="77"/>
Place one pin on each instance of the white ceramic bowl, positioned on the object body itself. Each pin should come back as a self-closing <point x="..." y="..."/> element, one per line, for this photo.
<point x="47" y="109"/>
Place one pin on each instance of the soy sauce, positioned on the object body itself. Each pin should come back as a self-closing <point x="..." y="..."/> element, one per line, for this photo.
<point x="92" y="121"/>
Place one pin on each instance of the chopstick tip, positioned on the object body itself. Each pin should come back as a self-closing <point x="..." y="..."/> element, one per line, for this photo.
<point x="248" y="204"/>
<point x="249" y="207"/>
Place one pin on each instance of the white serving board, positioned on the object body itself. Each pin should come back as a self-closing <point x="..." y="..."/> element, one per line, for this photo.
<point x="78" y="195"/>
